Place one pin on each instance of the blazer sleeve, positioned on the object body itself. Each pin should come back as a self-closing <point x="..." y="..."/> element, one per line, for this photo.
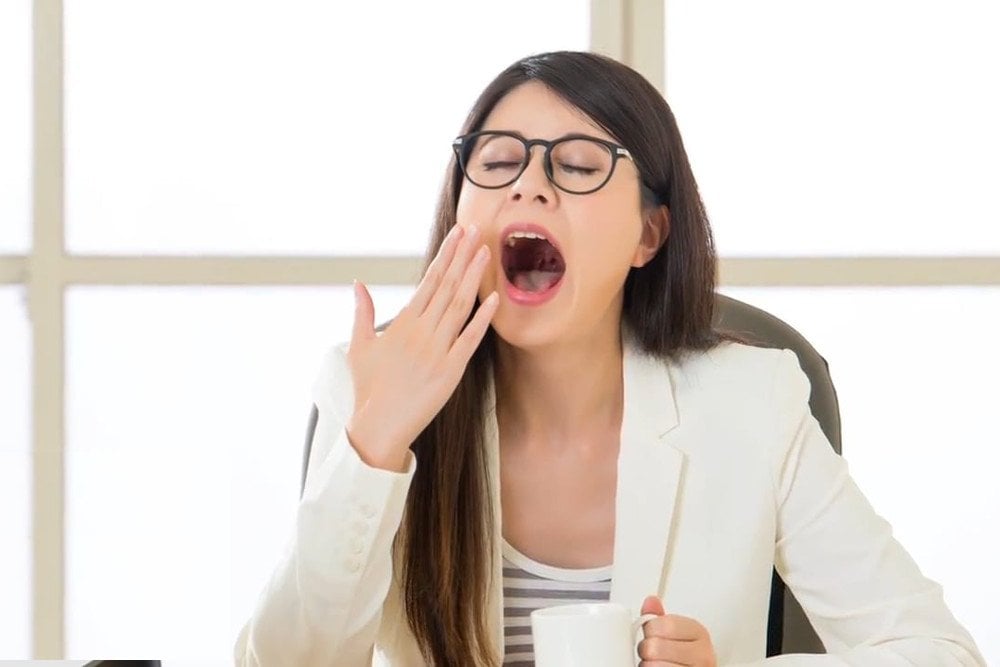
<point x="863" y="593"/>
<point x="323" y="602"/>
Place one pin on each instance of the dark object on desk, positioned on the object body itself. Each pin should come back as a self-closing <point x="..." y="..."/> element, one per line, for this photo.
<point x="123" y="663"/>
<point x="788" y="629"/>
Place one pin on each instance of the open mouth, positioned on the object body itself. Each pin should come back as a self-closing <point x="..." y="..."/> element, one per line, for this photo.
<point x="531" y="263"/>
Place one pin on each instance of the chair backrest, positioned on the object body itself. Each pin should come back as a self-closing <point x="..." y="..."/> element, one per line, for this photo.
<point x="788" y="629"/>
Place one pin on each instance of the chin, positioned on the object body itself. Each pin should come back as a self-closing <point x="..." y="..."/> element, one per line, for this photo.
<point x="527" y="333"/>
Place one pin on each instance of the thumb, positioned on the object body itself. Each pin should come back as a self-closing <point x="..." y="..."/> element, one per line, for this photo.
<point x="653" y="605"/>
<point x="364" y="314"/>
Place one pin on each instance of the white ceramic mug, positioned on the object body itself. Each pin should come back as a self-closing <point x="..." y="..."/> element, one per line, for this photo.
<point x="599" y="634"/>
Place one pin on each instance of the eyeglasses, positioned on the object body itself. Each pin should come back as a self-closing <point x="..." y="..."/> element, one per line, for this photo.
<point x="577" y="164"/>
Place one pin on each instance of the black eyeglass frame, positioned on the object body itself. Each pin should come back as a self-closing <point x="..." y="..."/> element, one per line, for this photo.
<point x="616" y="151"/>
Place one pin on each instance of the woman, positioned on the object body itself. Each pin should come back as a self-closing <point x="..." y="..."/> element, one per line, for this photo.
<point x="553" y="410"/>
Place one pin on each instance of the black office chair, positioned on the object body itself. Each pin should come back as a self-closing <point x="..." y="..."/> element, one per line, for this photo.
<point x="788" y="629"/>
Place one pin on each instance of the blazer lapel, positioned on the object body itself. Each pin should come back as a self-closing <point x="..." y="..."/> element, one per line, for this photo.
<point x="649" y="479"/>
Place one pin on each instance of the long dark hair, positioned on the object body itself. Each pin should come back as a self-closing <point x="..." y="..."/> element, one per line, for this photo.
<point x="446" y="539"/>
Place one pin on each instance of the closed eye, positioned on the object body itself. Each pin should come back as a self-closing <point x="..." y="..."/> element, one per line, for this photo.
<point x="492" y="166"/>
<point x="576" y="169"/>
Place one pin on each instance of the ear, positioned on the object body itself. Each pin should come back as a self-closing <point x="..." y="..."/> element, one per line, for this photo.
<point x="655" y="230"/>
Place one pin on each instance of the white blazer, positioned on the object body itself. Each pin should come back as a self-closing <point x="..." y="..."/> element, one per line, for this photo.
<point x="722" y="474"/>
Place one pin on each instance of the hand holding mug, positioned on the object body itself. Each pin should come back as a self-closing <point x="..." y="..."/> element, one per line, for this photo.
<point x="671" y="640"/>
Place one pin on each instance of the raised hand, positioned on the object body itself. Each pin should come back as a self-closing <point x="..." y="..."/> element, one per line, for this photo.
<point x="403" y="378"/>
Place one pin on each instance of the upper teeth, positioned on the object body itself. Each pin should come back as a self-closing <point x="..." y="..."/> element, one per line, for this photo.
<point x="523" y="235"/>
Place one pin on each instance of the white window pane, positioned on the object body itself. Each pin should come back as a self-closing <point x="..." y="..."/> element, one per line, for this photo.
<point x="310" y="128"/>
<point x="916" y="373"/>
<point x="15" y="476"/>
<point x="841" y="128"/>
<point x="186" y="417"/>
<point x="15" y="125"/>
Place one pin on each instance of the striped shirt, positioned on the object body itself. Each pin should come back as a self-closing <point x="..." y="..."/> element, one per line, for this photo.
<point x="529" y="585"/>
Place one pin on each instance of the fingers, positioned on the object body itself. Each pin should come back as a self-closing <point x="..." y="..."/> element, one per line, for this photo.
<point x="468" y="341"/>
<point x="364" y="315"/>
<point x="453" y="278"/>
<point x="653" y="605"/>
<point x="682" y="653"/>
<point x="456" y="313"/>
<point x="674" y="639"/>
<point x="438" y="266"/>
<point x="673" y="626"/>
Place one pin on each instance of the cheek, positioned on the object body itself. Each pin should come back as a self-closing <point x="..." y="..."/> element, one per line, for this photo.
<point x="611" y="234"/>
<point x="474" y="205"/>
<point x="462" y="209"/>
<point x="604" y="261"/>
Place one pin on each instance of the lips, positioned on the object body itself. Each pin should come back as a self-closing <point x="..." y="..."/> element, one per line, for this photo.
<point x="532" y="262"/>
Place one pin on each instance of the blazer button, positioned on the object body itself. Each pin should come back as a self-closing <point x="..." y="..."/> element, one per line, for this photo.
<point x="357" y="546"/>
<point x="368" y="511"/>
<point x="353" y="565"/>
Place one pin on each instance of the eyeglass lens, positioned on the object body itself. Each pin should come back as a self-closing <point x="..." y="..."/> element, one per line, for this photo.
<point x="578" y="165"/>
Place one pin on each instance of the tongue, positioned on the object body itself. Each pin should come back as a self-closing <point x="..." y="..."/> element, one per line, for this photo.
<point x="535" y="281"/>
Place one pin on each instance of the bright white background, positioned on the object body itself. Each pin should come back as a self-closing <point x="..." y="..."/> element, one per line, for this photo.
<point x="277" y="127"/>
<point x="15" y="124"/>
<point x="841" y="127"/>
<point x="15" y="341"/>
<point x="15" y="474"/>
<point x="186" y="423"/>
<point x="240" y="128"/>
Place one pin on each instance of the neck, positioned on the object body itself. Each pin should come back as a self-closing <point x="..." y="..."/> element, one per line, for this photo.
<point x="560" y="395"/>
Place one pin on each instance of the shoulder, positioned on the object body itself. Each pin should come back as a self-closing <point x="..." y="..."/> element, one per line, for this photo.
<point x="742" y="402"/>
<point x="755" y="388"/>
<point x="736" y="366"/>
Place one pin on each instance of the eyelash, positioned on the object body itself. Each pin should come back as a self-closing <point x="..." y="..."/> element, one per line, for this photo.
<point x="490" y="166"/>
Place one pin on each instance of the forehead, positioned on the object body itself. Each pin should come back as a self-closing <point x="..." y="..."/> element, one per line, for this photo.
<point x="536" y="112"/>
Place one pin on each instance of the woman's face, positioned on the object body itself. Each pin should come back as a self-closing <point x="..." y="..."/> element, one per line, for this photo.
<point x="599" y="236"/>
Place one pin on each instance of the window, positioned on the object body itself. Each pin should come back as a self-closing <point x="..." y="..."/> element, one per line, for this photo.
<point x="15" y="125"/>
<point x="277" y="128"/>
<point x="841" y="128"/>
<point x="15" y="476"/>
<point x="238" y="129"/>
<point x="186" y="418"/>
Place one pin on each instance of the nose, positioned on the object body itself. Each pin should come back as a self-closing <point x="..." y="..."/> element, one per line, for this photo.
<point x="533" y="183"/>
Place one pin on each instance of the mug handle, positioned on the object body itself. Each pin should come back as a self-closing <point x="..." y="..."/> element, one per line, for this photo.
<point x="641" y="621"/>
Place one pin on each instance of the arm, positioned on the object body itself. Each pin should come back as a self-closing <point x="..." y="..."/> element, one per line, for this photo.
<point x="863" y="593"/>
<point x="323" y="603"/>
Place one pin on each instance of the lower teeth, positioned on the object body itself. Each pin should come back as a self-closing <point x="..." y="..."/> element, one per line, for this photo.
<point x="535" y="281"/>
